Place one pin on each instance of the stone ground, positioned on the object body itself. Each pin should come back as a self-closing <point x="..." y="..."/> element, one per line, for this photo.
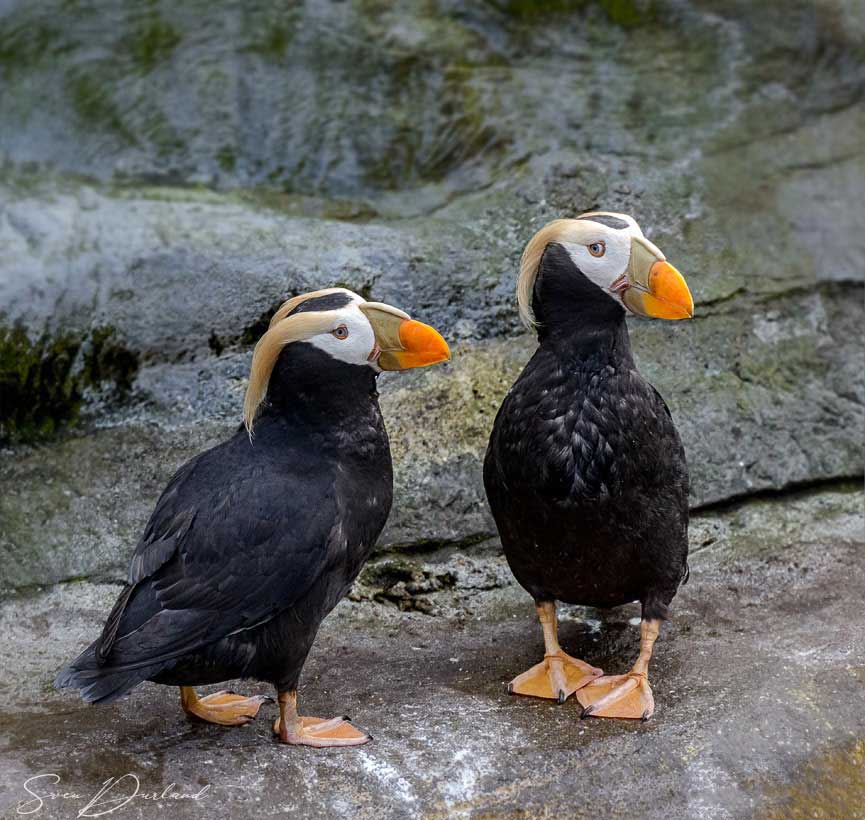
<point x="758" y="682"/>
<point x="170" y="173"/>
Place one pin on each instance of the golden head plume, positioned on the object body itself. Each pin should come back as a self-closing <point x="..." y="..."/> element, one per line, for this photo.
<point x="283" y="330"/>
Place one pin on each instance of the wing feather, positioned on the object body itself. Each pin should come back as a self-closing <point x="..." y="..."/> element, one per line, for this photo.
<point x="230" y="544"/>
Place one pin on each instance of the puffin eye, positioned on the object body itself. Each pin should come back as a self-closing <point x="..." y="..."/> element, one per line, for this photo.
<point x="597" y="248"/>
<point x="341" y="332"/>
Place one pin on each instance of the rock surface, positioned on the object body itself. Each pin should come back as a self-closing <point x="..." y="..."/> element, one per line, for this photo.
<point x="758" y="683"/>
<point x="144" y="238"/>
<point x="172" y="172"/>
<point x="764" y="400"/>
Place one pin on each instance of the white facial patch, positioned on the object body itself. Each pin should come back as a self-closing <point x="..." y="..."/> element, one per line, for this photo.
<point x="606" y="269"/>
<point x="356" y="347"/>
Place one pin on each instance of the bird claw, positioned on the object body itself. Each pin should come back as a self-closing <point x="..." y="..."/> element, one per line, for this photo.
<point x="618" y="696"/>
<point x="556" y="677"/>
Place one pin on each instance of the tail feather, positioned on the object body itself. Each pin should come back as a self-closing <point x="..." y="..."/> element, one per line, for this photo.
<point x="96" y="683"/>
<point x="105" y="642"/>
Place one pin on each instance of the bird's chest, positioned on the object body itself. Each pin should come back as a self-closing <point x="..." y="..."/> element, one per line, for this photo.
<point x="568" y="438"/>
<point x="363" y="486"/>
<point x="364" y="491"/>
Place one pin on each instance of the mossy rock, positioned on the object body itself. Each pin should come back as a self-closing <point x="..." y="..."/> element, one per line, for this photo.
<point x="625" y="13"/>
<point x="42" y="382"/>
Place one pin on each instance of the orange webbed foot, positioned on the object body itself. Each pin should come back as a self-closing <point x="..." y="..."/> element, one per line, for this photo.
<point x="224" y="708"/>
<point x="618" y="696"/>
<point x="321" y="732"/>
<point x="556" y="677"/>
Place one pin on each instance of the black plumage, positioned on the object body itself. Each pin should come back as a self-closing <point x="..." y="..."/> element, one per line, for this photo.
<point x="254" y="541"/>
<point x="585" y="471"/>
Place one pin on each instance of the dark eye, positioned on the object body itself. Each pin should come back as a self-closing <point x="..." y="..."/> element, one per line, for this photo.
<point x="597" y="248"/>
<point x="341" y="332"/>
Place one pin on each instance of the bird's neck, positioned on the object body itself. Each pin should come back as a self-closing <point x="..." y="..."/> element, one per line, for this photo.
<point x="590" y="345"/>
<point x="576" y="319"/>
<point x="310" y="387"/>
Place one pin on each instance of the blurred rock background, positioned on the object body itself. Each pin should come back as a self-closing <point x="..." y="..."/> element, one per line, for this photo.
<point x="171" y="172"/>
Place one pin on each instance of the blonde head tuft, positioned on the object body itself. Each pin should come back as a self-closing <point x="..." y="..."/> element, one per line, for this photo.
<point x="554" y="231"/>
<point x="559" y="230"/>
<point x="283" y="330"/>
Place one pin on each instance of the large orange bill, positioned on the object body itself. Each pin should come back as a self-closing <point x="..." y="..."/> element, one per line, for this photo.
<point x="665" y="295"/>
<point x="422" y="345"/>
<point x="401" y="342"/>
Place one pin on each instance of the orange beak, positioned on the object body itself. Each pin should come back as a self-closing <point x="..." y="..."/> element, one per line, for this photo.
<point x="654" y="287"/>
<point x="402" y="342"/>
<point x="421" y="344"/>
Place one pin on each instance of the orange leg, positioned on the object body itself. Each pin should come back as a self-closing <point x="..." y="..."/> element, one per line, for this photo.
<point x="310" y="731"/>
<point x="558" y="675"/>
<point x="223" y="708"/>
<point x="624" y="696"/>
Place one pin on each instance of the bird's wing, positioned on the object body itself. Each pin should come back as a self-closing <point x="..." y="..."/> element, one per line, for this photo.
<point x="676" y="453"/>
<point x="169" y="524"/>
<point x="225" y="550"/>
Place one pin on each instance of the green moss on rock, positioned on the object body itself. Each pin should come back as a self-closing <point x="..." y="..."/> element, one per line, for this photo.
<point x="531" y="9"/>
<point x="94" y="106"/>
<point x="227" y="158"/>
<point x="625" y="13"/>
<point x="42" y="382"/>
<point x="153" y="42"/>
<point x="629" y="13"/>
<point x="24" y="46"/>
<point x="274" y="42"/>
<point x="107" y="361"/>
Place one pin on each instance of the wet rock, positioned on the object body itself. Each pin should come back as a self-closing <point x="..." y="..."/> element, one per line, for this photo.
<point x="409" y="583"/>
<point x="757" y="681"/>
<point x="731" y="130"/>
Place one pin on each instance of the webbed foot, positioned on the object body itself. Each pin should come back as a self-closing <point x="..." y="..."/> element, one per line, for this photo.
<point x="618" y="696"/>
<point x="556" y="677"/>
<point x="223" y="708"/>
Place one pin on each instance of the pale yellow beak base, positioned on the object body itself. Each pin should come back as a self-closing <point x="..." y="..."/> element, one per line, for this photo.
<point x="403" y="342"/>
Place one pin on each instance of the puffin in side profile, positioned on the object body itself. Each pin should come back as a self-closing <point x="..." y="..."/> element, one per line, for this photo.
<point x="585" y="472"/>
<point x="254" y="541"/>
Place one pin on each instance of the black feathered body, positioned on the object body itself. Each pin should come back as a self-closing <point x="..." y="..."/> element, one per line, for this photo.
<point x="585" y="472"/>
<point x="252" y="543"/>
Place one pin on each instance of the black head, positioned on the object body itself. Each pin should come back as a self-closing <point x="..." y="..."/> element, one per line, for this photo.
<point x="585" y="272"/>
<point x="564" y="298"/>
<point x="323" y="350"/>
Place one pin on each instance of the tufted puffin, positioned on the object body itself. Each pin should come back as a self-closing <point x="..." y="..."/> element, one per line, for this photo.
<point x="585" y="472"/>
<point x="253" y="542"/>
